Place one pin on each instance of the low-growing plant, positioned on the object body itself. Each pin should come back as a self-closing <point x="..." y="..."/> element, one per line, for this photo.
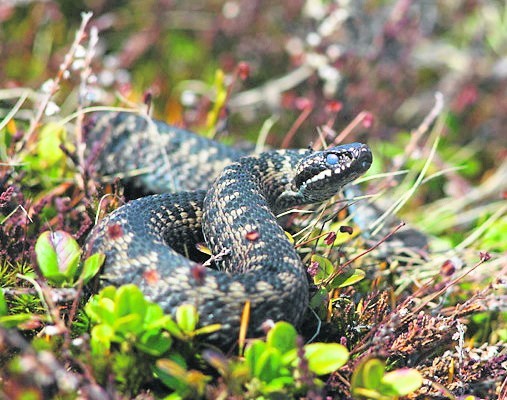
<point x="328" y="276"/>
<point x="279" y="364"/>
<point x="131" y="331"/>
<point x="371" y="381"/>
<point x="58" y="255"/>
<point x="15" y="319"/>
<point x="123" y="316"/>
<point x="127" y="327"/>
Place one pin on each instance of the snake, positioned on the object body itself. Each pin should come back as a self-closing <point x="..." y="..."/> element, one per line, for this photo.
<point x="208" y="192"/>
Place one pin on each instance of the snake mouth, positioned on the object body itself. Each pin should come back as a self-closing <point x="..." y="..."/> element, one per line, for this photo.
<point x="321" y="174"/>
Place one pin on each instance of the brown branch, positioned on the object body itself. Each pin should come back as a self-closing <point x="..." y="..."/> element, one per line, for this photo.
<point x="346" y="264"/>
<point x="55" y="84"/>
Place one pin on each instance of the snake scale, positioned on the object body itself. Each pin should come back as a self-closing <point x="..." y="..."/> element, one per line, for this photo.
<point x="220" y="196"/>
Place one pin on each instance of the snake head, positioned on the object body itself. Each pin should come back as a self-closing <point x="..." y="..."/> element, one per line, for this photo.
<point x="321" y="174"/>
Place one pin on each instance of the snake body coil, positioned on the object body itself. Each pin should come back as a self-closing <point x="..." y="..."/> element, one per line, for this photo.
<point x="144" y="240"/>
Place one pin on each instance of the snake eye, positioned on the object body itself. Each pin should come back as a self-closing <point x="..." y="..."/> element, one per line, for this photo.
<point x="332" y="159"/>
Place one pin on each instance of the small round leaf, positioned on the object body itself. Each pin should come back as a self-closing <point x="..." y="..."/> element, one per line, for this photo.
<point x="402" y="381"/>
<point x="58" y="256"/>
<point x="324" y="358"/>
<point x="282" y="337"/>
<point x="187" y="317"/>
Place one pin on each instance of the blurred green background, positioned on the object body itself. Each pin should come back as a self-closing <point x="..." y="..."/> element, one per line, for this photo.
<point x="304" y="66"/>
<point x="386" y="57"/>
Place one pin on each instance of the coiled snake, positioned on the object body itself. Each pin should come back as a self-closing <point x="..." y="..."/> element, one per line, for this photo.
<point x="145" y="240"/>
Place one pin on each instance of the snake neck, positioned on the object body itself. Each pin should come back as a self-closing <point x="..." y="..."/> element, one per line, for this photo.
<point x="274" y="173"/>
<point x="239" y="216"/>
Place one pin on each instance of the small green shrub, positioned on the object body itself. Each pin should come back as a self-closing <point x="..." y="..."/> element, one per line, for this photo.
<point x="58" y="256"/>
<point x="279" y="365"/>
<point x="371" y="381"/>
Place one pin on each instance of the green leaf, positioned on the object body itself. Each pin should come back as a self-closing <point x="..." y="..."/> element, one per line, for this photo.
<point x="172" y="372"/>
<point x="172" y="375"/>
<point x="347" y="278"/>
<point x="369" y="394"/>
<point x="154" y="343"/>
<point x="58" y="256"/>
<point x="324" y="358"/>
<point x="109" y="292"/>
<point x="368" y="375"/>
<point x="51" y="136"/>
<point x="101" y="310"/>
<point x="373" y="371"/>
<point x="154" y="317"/>
<point x="3" y="304"/>
<point x="220" y="98"/>
<point x="13" y="321"/>
<point x="92" y="265"/>
<point x="205" y="330"/>
<point x="278" y="384"/>
<point x="187" y="317"/>
<point x="282" y="337"/>
<point x="101" y="337"/>
<point x="268" y="365"/>
<point x="128" y="324"/>
<point x="319" y="298"/>
<point x="187" y="384"/>
<point x="290" y="237"/>
<point x="130" y="300"/>
<point x="264" y="362"/>
<point x="173" y="328"/>
<point x="319" y="302"/>
<point x="290" y="358"/>
<point x="401" y="382"/>
<point x="46" y="255"/>
<point x="252" y="354"/>
<point x="325" y="268"/>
